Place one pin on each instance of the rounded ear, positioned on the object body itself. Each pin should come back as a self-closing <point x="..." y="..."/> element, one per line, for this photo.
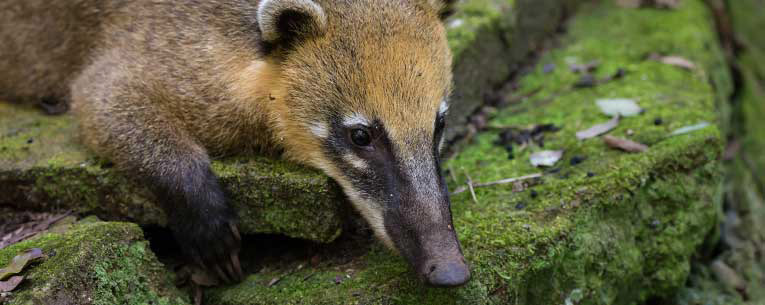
<point x="445" y="8"/>
<point x="285" y="20"/>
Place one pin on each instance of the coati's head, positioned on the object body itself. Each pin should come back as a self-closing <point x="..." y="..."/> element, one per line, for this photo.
<point x="362" y="94"/>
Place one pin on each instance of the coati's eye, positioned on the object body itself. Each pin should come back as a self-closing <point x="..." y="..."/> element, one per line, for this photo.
<point x="360" y="137"/>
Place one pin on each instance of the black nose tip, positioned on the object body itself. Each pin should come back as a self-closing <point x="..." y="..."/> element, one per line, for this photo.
<point x="448" y="273"/>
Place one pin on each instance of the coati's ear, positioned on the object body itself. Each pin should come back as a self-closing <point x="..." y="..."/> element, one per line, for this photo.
<point x="283" y="21"/>
<point x="445" y="8"/>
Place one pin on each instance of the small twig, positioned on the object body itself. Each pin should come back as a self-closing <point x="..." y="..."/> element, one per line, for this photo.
<point x="278" y="279"/>
<point x="309" y="276"/>
<point x="471" y="186"/>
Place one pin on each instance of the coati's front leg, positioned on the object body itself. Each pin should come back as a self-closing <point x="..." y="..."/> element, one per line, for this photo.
<point x="122" y="120"/>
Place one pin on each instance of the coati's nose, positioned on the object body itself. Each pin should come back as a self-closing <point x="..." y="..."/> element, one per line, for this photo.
<point x="448" y="273"/>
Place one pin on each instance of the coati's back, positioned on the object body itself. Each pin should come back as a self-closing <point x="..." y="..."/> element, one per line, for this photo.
<point x="43" y="43"/>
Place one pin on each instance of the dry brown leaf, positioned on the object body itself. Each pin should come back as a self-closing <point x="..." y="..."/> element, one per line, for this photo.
<point x="30" y="229"/>
<point x="19" y="262"/>
<point x="599" y="129"/>
<point x="678" y="61"/>
<point x="624" y="144"/>
<point x="10" y="284"/>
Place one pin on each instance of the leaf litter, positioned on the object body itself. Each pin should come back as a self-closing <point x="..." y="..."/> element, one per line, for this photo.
<point x="20" y="261"/>
<point x="598" y="129"/>
<point x="673" y="60"/>
<point x="16" y="266"/>
<point x="624" y="144"/>
<point x="619" y="106"/>
<point x="31" y="225"/>
<point x="546" y="157"/>
<point x="688" y="129"/>
<point x="11" y="284"/>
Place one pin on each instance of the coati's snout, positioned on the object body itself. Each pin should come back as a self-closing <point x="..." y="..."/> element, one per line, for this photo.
<point x="420" y="226"/>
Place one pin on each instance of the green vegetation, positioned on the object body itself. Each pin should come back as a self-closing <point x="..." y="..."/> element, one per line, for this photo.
<point x="93" y="263"/>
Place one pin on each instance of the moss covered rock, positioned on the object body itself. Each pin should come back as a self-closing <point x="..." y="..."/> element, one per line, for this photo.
<point x="615" y="228"/>
<point x="44" y="167"/>
<point x="490" y="40"/>
<point x="93" y="263"/>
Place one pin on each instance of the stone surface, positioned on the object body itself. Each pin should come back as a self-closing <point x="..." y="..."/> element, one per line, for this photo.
<point x="491" y="40"/>
<point x="93" y="263"/>
<point x="43" y="166"/>
<point x="615" y="228"/>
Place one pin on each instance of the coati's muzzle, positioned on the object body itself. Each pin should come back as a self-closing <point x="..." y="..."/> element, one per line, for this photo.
<point x="419" y="222"/>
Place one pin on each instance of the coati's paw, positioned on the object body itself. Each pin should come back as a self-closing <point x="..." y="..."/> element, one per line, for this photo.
<point x="213" y="244"/>
<point x="204" y="224"/>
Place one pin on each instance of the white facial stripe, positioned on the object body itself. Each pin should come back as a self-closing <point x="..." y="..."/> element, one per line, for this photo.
<point x="443" y="108"/>
<point x="355" y="119"/>
<point x="371" y="212"/>
<point x="355" y="161"/>
<point x="319" y="129"/>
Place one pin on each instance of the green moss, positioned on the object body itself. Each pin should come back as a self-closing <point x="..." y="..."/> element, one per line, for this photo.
<point x="490" y="40"/>
<point x="473" y="17"/>
<point x="93" y="263"/>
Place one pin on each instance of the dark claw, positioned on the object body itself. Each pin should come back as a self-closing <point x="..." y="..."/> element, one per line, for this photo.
<point x="235" y="230"/>
<point x="237" y="265"/>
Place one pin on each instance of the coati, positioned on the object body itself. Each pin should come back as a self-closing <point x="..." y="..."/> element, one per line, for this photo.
<point x="356" y="88"/>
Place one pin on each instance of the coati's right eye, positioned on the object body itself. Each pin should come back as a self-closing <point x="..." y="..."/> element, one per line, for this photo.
<point x="360" y="137"/>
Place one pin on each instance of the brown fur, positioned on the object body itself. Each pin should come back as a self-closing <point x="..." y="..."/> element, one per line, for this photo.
<point x="158" y="85"/>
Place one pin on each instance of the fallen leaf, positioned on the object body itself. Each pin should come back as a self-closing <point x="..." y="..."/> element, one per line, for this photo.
<point x="19" y="262"/>
<point x="10" y="284"/>
<point x="546" y="157"/>
<point x="619" y="106"/>
<point x="691" y="128"/>
<point x="624" y="144"/>
<point x="599" y="129"/>
<point x="30" y="229"/>
<point x="678" y="62"/>
<point x="274" y="281"/>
